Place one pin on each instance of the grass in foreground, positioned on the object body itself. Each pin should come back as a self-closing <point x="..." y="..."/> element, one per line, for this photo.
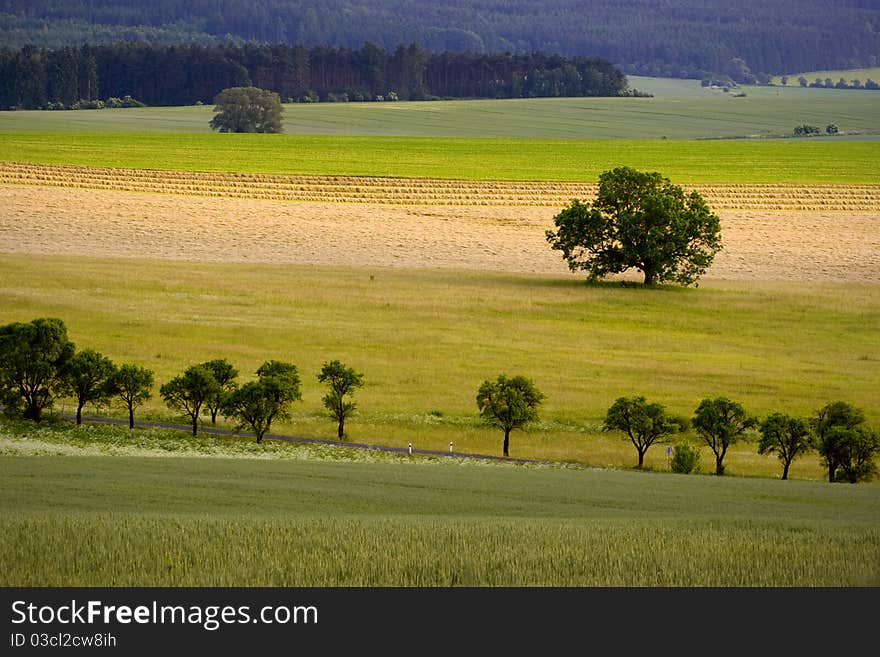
<point x="426" y="340"/>
<point x="816" y="160"/>
<point x="97" y="521"/>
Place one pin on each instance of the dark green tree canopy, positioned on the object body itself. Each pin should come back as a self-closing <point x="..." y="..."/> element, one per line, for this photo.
<point x="32" y="360"/>
<point x="225" y="373"/>
<point x="188" y="392"/>
<point x="247" y="109"/>
<point x="257" y="404"/>
<point x="638" y="221"/>
<point x="643" y="422"/>
<point x="86" y="378"/>
<point x="789" y="437"/>
<point x="342" y="382"/>
<point x="720" y="423"/>
<point x="846" y="446"/>
<point x="509" y="403"/>
<point x="133" y="384"/>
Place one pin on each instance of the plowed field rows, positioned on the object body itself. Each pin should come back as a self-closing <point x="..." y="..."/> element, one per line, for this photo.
<point x="434" y="192"/>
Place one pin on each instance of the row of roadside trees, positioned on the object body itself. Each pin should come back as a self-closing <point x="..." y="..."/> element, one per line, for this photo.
<point x="38" y="364"/>
<point x="837" y="431"/>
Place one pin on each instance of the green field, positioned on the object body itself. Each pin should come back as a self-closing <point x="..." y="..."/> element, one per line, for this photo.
<point x="220" y="522"/>
<point x="803" y="161"/>
<point x="425" y="340"/>
<point x="102" y="506"/>
<point x="682" y="109"/>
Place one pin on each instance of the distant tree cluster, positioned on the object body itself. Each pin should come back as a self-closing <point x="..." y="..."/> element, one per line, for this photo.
<point x="36" y="78"/>
<point x="675" y="38"/>
<point x="841" y="83"/>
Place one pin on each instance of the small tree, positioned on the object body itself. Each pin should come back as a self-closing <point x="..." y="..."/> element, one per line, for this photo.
<point x="342" y="381"/>
<point x="789" y="437"/>
<point x="638" y="221"/>
<point x="509" y="403"/>
<point x="257" y="404"/>
<point x="685" y="458"/>
<point x="32" y="361"/>
<point x="831" y="129"/>
<point x="834" y="414"/>
<point x="188" y="392"/>
<point x="721" y="423"/>
<point x="225" y="375"/>
<point x="643" y="423"/>
<point x="133" y="384"/>
<point x="247" y="109"/>
<point x="85" y="378"/>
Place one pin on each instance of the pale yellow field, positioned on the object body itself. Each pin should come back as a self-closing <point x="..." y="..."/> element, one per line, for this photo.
<point x="771" y="232"/>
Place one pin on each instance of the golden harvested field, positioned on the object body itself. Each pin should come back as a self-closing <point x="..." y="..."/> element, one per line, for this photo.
<point x="788" y="232"/>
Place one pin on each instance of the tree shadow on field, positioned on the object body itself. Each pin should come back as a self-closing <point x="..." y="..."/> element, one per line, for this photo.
<point x="580" y="283"/>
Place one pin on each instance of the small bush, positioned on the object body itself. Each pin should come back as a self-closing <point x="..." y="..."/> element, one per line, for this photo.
<point x="685" y="458"/>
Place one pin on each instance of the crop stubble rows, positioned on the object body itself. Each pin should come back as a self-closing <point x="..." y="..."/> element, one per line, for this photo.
<point x="420" y="191"/>
<point x="770" y="231"/>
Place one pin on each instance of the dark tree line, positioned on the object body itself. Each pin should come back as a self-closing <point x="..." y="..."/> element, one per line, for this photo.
<point x="679" y="38"/>
<point x="32" y="78"/>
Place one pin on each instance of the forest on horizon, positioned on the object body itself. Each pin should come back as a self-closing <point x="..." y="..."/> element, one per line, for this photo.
<point x="669" y="38"/>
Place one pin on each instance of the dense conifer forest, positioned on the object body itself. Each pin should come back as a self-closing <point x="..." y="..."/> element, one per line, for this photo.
<point x="676" y="38"/>
<point x="90" y="76"/>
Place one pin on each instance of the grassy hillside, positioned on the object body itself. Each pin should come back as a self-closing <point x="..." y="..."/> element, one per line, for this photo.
<point x="217" y="522"/>
<point x="427" y="339"/>
<point x="682" y="109"/>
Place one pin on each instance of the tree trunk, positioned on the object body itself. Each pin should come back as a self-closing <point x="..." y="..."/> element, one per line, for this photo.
<point x="195" y="425"/>
<point x="831" y="469"/>
<point x="785" y="469"/>
<point x="650" y="275"/>
<point x="130" y="416"/>
<point x="506" y="442"/>
<point x="719" y="467"/>
<point x="341" y="429"/>
<point x="641" y="457"/>
<point x="79" y="413"/>
<point x="214" y="415"/>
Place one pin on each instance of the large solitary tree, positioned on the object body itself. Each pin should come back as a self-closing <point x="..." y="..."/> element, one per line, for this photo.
<point x="509" y="403"/>
<point x="247" y="109"/>
<point x="32" y="360"/>
<point x="639" y="221"/>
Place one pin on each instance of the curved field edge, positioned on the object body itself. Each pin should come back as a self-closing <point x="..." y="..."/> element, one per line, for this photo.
<point x="563" y="160"/>
<point x="353" y="524"/>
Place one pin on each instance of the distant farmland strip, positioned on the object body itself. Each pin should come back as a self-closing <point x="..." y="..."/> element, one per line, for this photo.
<point x="422" y="191"/>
